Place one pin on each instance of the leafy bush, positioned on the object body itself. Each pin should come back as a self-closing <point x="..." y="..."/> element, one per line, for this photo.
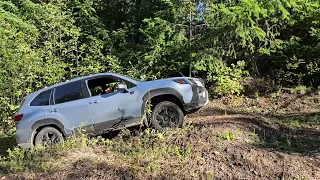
<point x="227" y="80"/>
<point x="7" y="111"/>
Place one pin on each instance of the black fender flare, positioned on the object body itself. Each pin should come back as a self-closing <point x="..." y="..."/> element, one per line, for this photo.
<point x="157" y="92"/>
<point x="46" y="122"/>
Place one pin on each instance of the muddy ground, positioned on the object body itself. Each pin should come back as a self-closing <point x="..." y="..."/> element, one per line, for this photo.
<point x="273" y="138"/>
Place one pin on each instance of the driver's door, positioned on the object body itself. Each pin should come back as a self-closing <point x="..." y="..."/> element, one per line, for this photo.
<point x="115" y="109"/>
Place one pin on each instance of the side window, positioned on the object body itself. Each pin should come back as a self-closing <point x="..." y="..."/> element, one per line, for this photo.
<point x="68" y="92"/>
<point x="105" y="85"/>
<point x="102" y="85"/>
<point x="43" y="99"/>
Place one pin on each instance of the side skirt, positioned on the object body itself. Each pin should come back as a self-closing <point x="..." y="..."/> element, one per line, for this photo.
<point x="108" y="126"/>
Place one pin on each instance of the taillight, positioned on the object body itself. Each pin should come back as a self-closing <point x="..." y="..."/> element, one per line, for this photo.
<point x="181" y="81"/>
<point x="17" y="117"/>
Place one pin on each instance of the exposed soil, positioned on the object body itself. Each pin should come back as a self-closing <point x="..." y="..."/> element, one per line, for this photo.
<point x="232" y="142"/>
<point x="245" y="158"/>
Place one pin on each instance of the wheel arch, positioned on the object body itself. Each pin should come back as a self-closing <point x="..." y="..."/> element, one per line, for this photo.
<point x="159" y="95"/>
<point x="40" y="124"/>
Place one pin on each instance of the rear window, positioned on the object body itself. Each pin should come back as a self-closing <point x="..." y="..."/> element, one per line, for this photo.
<point x="68" y="92"/>
<point x="43" y="99"/>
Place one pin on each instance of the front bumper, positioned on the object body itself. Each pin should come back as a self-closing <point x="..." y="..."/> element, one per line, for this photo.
<point x="200" y="98"/>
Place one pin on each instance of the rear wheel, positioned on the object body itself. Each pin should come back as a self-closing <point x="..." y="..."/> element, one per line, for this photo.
<point x="167" y="115"/>
<point x="48" y="137"/>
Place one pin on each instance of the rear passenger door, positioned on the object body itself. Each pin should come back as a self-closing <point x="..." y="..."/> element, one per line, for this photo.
<point x="70" y="107"/>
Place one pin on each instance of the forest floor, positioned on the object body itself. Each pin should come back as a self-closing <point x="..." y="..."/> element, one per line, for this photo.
<point x="230" y="138"/>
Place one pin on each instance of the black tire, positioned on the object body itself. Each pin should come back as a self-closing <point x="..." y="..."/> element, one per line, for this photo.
<point x="48" y="137"/>
<point x="167" y="115"/>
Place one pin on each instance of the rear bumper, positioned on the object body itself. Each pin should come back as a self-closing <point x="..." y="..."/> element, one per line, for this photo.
<point x="200" y="98"/>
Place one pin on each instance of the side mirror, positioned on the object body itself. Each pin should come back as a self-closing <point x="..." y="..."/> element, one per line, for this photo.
<point x="122" y="87"/>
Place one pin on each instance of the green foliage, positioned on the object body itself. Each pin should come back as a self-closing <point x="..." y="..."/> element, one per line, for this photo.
<point x="255" y="137"/>
<point x="228" y="135"/>
<point x="44" y="42"/>
<point x="302" y="121"/>
<point x="228" y="79"/>
<point x="180" y="153"/>
<point x="7" y="110"/>
<point x="235" y="101"/>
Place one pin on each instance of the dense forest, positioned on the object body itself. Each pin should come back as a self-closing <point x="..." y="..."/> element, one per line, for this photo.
<point x="42" y="42"/>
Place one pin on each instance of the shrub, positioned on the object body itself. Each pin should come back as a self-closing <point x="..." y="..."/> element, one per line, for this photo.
<point x="7" y="110"/>
<point x="227" y="80"/>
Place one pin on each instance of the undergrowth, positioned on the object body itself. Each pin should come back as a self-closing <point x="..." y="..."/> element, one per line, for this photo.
<point x="40" y="158"/>
<point x="302" y="121"/>
<point x="150" y="152"/>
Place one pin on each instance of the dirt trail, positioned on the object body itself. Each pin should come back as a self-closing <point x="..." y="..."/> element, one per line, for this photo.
<point x="245" y="159"/>
<point x="263" y="146"/>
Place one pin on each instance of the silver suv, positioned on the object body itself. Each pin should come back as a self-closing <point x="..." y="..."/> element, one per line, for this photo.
<point x="104" y="102"/>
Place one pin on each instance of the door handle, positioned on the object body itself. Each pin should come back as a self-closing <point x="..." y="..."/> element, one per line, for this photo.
<point x="53" y="110"/>
<point x="94" y="102"/>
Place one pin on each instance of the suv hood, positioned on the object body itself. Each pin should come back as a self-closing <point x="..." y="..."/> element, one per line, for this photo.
<point x="196" y="81"/>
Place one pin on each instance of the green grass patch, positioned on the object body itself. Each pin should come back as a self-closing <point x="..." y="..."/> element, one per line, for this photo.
<point x="302" y="121"/>
<point x="227" y="135"/>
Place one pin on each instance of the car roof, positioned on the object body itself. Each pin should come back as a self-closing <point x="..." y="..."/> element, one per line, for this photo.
<point x="80" y="78"/>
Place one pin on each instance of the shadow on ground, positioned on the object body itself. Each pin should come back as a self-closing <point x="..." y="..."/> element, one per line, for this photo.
<point x="273" y="133"/>
<point x="6" y="143"/>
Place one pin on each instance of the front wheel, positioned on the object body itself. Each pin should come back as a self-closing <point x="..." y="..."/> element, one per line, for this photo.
<point x="167" y="115"/>
<point x="48" y="137"/>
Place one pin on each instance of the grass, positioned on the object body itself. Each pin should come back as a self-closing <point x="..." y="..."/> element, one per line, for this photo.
<point x="41" y="158"/>
<point x="147" y="154"/>
<point x="150" y="153"/>
<point x="256" y="138"/>
<point x="302" y="121"/>
<point x="179" y="154"/>
<point x="227" y="135"/>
